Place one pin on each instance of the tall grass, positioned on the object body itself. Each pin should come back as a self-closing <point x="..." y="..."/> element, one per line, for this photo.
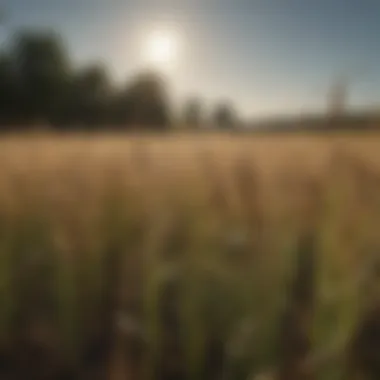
<point x="176" y="258"/>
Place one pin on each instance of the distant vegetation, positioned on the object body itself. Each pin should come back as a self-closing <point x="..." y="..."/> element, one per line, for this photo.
<point x="40" y="86"/>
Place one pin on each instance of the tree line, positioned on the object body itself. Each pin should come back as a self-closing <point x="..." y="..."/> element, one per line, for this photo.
<point x="39" y="85"/>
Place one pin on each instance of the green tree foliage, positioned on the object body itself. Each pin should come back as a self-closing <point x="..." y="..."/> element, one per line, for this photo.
<point x="42" y="71"/>
<point x="192" y="113"/>
<point x="8" y="90"/>
<point x="91" y="91"/>
<point x="38" y="84"/>
<point x="146" y="101"/>
<point x="224" y="116"/>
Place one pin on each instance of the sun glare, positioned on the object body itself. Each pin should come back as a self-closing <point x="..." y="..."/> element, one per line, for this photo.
<point x="161" y="49"/>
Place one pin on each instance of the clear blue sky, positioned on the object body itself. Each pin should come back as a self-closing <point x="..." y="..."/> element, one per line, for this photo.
<point x="268" y="56"/>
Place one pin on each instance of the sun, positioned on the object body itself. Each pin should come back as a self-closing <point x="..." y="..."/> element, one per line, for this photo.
<point x="161" y="49"/>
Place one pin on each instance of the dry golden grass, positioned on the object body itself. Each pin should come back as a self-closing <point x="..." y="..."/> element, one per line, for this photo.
<point x="92" y="227"/>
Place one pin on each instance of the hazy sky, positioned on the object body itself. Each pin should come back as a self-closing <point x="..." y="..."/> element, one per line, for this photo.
<point x="268" y="56"/>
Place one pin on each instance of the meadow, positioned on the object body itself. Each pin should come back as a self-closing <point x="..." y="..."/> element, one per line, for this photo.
<point x="190" y="256"/>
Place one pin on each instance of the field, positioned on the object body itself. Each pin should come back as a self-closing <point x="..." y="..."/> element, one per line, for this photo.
<point x="190" y="256"/>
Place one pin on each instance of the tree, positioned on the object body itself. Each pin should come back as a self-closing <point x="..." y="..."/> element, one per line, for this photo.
<point x="192" y="113"/>
<point x="8" y="94"/>
<point x="146" y="103"/>
<point x="38" y="84"/>
<point x="90" y="96"/>
<point x="338" y="97"/>
<point x="42" y="71"/>
<point x="224" y="116"/>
